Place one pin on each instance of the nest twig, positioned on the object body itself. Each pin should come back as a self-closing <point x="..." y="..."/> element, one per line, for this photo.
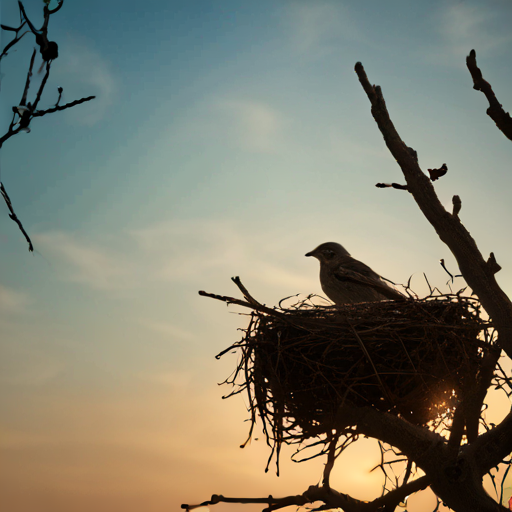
<point x="299" y="365"/>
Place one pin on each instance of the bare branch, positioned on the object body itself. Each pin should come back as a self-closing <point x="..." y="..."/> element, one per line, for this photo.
<point x="42" y="86"/>
<point x="417" y="443"/>
<point x="16" y="39"/>
<point x="25" y="111"/>
<point x="14" y="217"/>
<point x="49" y="49"/>
<point x="248" y="297"/>
<point x="449" y="228"/>
<point x="57" y="108"/>
<point x="331" y="459"/>
<point x="393" y="498"/>
<point x="238" y="302"/>
<point x="27" y="83"/>
<point x="330" y="497"/>
<point x="392" y="185"/>
<point x="56" y="9"/>
<point x="495" y="111"/>
<point x="493" y="446"/>
<point x="475" y="399"/>
<point x="457" y="429"/>
<point x="311" y="495"/>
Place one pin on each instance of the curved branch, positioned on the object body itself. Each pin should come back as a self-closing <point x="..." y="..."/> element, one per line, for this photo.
<point x="492" y="447"/>
<point x="330" y="497"/>
<point x="57" y="108"/>
<point x="475" y="400"/>
<point x="476" y="272"/>
<point x="495" y="111"/>
<point x="419" y="444"/>
<point x="393" y="498"/>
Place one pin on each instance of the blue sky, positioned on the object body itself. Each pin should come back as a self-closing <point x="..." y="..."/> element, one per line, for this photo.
<point x="227" y="138"/>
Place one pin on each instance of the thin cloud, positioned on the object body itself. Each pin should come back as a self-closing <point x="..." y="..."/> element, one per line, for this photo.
<point x="464" y="26"/>
<point x="84" y="262"/>
<point x="12" y="301"/>
<point x="315" y="27"/>
<point x="257" y="126"/>
<point x="194" y="251"/>
<point x="186" y="250"/>
<point x="82" y="72"/>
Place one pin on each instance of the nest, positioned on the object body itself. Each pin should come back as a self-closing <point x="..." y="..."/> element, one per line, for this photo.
<point x="415" y="359"/>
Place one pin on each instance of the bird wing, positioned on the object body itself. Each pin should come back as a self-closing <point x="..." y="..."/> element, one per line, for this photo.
<point x="355" y="271"/>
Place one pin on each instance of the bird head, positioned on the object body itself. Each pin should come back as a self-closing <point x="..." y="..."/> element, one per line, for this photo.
<point x="330" y="251"/>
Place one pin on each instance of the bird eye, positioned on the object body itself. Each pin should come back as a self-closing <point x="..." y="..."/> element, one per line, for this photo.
<point x="328" y="253"/>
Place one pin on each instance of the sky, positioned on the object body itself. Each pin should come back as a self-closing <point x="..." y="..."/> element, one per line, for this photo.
<point x="226" y="139"/>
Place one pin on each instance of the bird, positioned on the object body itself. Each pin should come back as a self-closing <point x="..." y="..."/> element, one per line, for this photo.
<point x="346" y="280"/>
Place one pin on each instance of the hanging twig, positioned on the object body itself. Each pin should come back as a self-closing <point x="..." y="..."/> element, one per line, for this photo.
<point x="14" y="217"/>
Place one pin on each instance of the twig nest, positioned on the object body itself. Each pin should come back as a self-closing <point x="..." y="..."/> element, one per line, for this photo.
<point x="415" y="359"/>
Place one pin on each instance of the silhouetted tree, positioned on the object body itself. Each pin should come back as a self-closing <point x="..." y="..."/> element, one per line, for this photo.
<point x="27" y="110"/>
<point x="453" y="459"/>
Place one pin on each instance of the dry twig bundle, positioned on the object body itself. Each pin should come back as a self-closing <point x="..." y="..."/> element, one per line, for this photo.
<point x="299" y="365"/>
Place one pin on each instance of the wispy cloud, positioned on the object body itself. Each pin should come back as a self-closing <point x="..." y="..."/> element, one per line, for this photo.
<point x="12" y="301"/>
<point x="257" y="126"/>
<point x="189" y="253"/>
<point x="84" y="261"/>
<point x="185" y="250"/>
<point x="316" y="26"/>
<point x="82" y="72"/>
<point x="194" y="251"/>
<point x="465" y="26"/>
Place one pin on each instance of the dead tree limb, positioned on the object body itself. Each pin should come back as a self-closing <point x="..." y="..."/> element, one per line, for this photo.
<point x="453" y="470"/>
<point x="330" y="498"/>
<point x="461" y="478"/>
<point x="451" y="231"/>
<point x="495" y="111"/>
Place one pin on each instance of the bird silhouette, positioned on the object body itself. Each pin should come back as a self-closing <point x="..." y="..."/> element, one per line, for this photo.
<point x="346" y="280"/>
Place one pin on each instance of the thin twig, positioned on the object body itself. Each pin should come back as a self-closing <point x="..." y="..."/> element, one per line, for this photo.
<point x="56" y="108"/>
<point x="14" y="217"/>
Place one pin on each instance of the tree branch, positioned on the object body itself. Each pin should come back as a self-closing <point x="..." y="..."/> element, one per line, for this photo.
<point x="493" y="446"/>
<point x="16" y="39"/>
<point x="393" y="498"/>
<point x="333" y="498"/>
<point x="25" y="111"/>
<point x="495" y="111"/>
<point x="419" y="444"/>
<point x="451" y="231"/>
<point x="238" y="302"/>
<point x="58" y="108"/>
<point x="476" y="397"/>
<point x="14" y="217"/>
<point x="330" y="497"/>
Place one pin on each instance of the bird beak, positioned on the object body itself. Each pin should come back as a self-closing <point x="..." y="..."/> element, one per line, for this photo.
<point x="310" y="253"/>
